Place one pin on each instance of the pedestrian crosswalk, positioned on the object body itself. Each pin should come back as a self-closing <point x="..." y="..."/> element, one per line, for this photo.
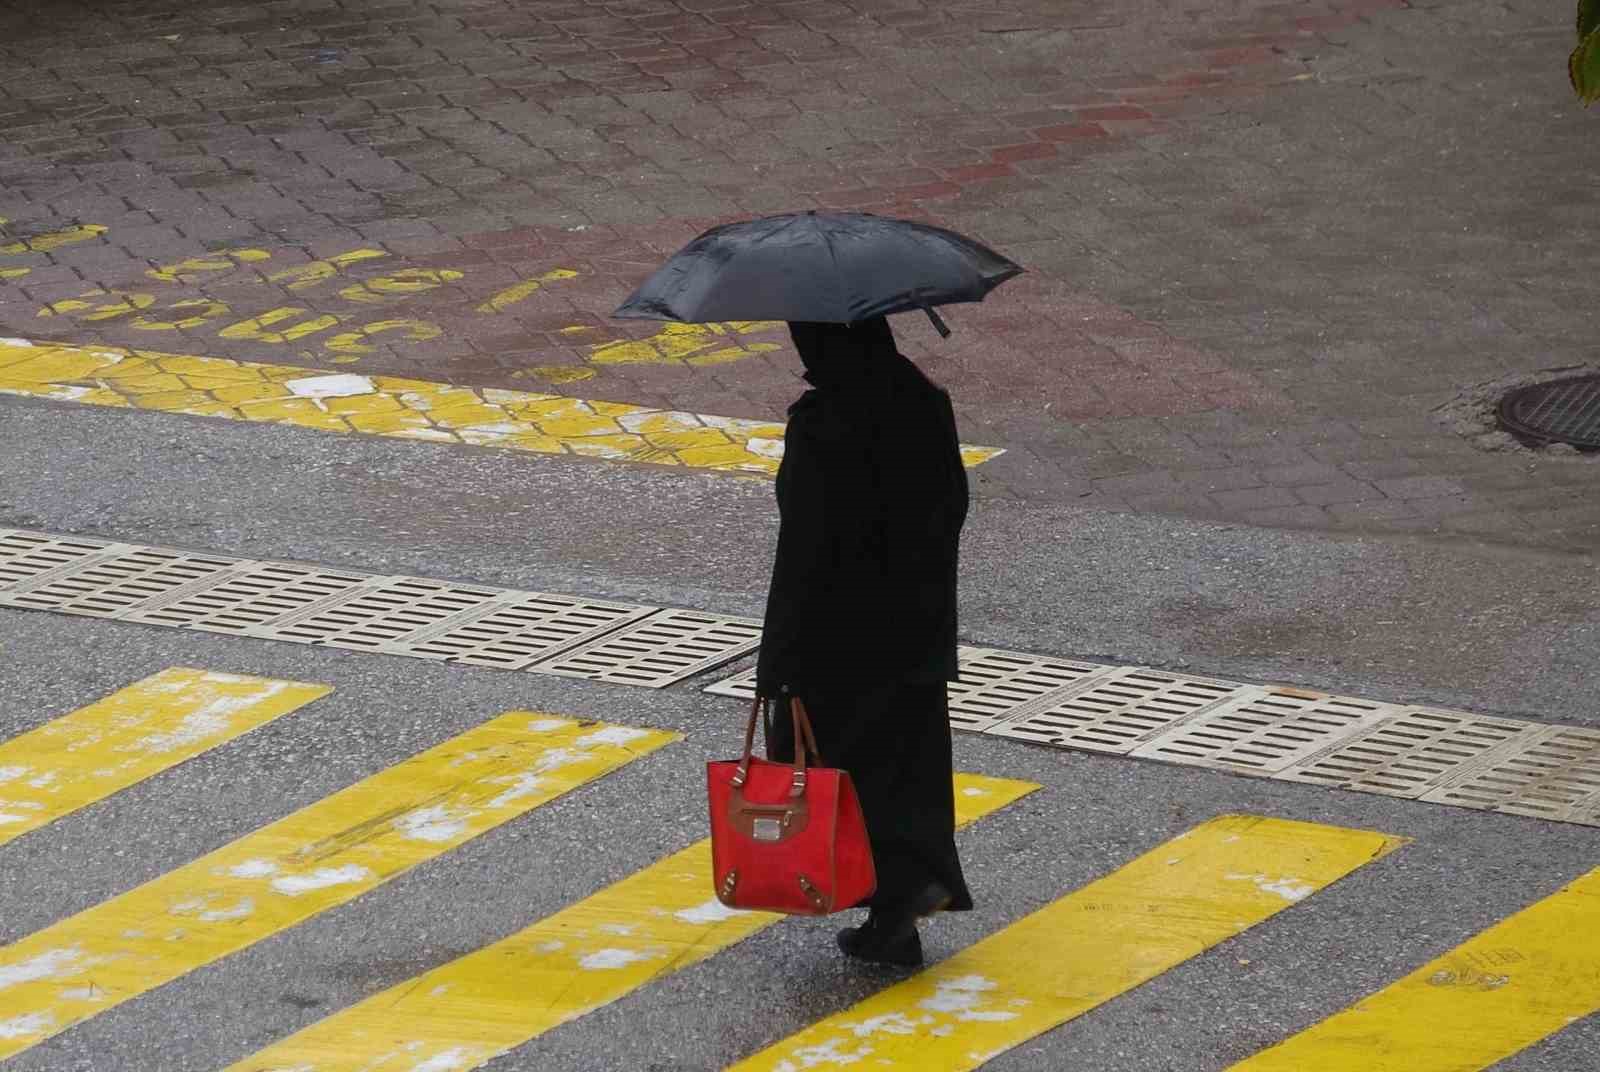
<point x="1499" y="992"/>
<point x="130" y="735"/>
<point x="661" y="920"/>
<point x="311" y="861"/>
<point x="1157" y="911"/>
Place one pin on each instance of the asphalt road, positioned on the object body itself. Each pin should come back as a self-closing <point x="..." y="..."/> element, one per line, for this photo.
<point x="1486" y="629"/>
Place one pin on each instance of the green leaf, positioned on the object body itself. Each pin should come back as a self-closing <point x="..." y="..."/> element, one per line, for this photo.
<point x="1583" y="67"/>
<point x="1588" y="17"/>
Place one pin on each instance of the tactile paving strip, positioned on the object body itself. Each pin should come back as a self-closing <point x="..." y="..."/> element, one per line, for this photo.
<point x="1118" y="711"/>
<point x="1263" y="730"/>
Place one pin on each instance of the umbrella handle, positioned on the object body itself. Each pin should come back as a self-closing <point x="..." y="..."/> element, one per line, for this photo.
<point x="938" y="321"/>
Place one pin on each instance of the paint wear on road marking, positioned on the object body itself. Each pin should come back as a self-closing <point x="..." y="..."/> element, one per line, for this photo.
<point x="134" y="733"/>
<point x="461" y="1014"/>
<point x="320" y="857"/>
<point x="1174" y="902"/>
<point x="1499" y="992"/>
<point x="395" y="407"/>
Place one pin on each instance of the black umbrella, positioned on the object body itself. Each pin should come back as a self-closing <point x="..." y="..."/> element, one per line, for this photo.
<point x="838" y="267"/>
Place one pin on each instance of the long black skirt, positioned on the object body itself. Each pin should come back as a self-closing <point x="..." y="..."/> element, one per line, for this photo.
<point x="894" y="740"/>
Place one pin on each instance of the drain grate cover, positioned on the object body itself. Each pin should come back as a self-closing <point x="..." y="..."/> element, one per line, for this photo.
<point x="1439" y="756"/>
<point x="1264" y="732"/>
<point x="1560" y="411"/>
<point x="743" y="684"/>
<point x="664" y="648"/>
<point x="29" y="560"/>
<point x="478" y="625"/>
<point x="1118" y="711"/>
<point x="1557" y="776"/>
<point x="995" y="685"/>
<point x="1413" y="753"/>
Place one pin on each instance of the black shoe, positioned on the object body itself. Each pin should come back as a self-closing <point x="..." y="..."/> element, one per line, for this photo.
<point x="877" y="942"/>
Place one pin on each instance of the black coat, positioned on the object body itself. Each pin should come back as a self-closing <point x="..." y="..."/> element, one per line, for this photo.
<point x="872" y="495"/>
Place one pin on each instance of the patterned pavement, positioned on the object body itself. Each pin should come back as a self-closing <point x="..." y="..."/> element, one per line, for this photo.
<point x="1270" y="244"/>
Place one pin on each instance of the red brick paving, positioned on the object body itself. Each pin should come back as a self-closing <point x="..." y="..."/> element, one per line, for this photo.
<point x="1187" y="186"/>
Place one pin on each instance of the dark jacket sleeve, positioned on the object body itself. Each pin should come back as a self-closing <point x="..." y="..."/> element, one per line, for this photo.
<point x="800" y="596"/>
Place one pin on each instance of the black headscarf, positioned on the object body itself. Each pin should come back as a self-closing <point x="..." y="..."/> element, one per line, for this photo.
<point x="845" y="355"/>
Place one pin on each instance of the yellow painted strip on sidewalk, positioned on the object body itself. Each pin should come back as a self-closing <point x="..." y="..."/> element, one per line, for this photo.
<point x="136" y="732"/>
<point x="54" y="240"/>
<point x="462" y="1014"/>
<point x="1172" y="903"/>
<point x="1497" y="993"/>
<point x="390" y="406"/>
<point x="316" y="859"/>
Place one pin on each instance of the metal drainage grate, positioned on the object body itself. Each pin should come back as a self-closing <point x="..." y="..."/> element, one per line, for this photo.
<point x="507" y="629"/>
<point x="743" y="684"/>
<point x="518" y="629"/>
<point x="1560" y="411"/>
<point x="261" y="599"/>
<point x="1119" y="711"/>
<point x="114" y="581"/>
<point x="1264" y="732"/>
<point x="995" y="685"/>
<point x="662" y="649"/>
<point x="31" y="559"/>
<point x="1557" y="776"/>
<point x="1412" y="753"/>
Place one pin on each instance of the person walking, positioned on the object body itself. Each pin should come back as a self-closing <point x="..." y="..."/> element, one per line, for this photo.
<point x="861" y="613"/>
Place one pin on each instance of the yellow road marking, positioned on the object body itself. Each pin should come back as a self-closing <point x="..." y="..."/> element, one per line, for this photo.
<point x="256" y="328"/>
<point x="406" y="281"/>
<point x="696" y="345"/>
<point x="391" y="406"/>
<point x="302" y="276"/>
<point x="461" y="1014"/>
<point x="349" y="342"/>
<point x="190" y="270"/>
<point x="1156" y="912"/>
<point x="54" y="240"/>
<point x="136" y="732"/>
<point x="283" y="874"/>
<point x="514" y="294"/>
<point x="1499" y="992"/>
<point x="14" y="273"/>
<point x="123" y="302"/>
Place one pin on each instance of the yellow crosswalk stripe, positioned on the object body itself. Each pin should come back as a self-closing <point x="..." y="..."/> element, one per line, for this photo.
<point x="1499" y="992"/>
<point x="462" y="1014"/>
<point x="394" y="407"/>
<point x="283" y="874"/>
<point x="1172" y="903"/>
<point x="95" y="751"/>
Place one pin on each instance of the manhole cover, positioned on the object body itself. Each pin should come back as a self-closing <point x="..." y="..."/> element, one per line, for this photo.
<point x="1561" y="411"/>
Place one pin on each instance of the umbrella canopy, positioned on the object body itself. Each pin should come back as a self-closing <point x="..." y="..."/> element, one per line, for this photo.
<point x="839" y="267"/>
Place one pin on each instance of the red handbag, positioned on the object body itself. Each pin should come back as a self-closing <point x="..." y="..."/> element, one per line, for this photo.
<point x="787" y="837"/>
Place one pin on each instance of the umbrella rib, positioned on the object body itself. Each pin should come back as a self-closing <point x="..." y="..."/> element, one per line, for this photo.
<point x="833" y="255"/>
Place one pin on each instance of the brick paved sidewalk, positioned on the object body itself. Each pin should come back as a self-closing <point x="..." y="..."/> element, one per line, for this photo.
<point x="1267" y="240"/>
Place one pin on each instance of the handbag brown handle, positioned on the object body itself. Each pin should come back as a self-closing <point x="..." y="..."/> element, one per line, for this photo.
<point x="805" y="743"/>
